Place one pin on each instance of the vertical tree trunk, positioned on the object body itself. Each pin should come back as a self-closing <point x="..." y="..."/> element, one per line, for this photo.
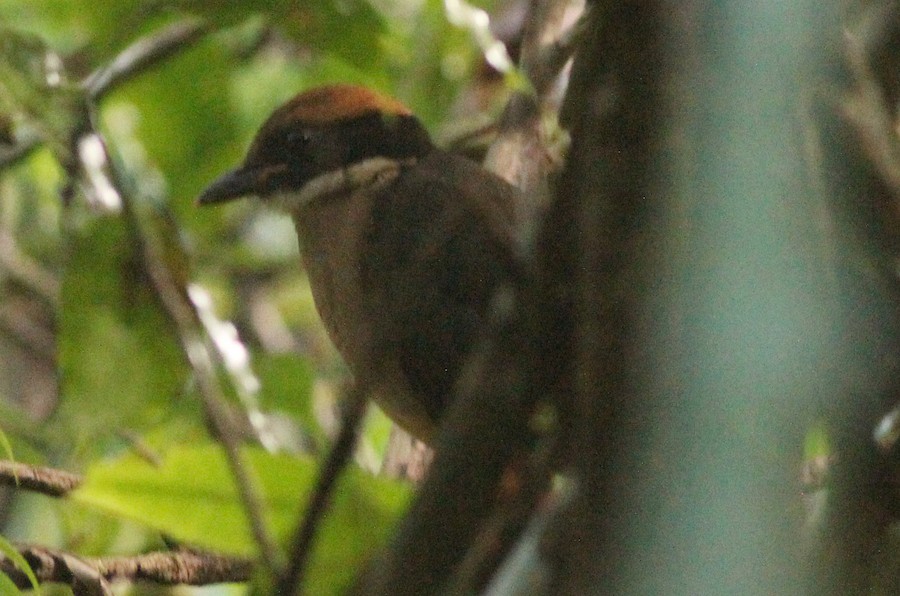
<point x="714" y="318"/>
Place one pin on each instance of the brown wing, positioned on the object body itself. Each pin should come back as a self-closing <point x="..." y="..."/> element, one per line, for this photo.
<point x="435" y="256"/>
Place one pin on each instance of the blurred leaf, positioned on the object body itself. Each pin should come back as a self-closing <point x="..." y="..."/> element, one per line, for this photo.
<point x="96" y="30"/>
<point x="7" y="587"/>
<point x="226" y="13"/>
<point x="33" y="88"/>
<point x="176" y="120"/>
<point x="6" y="447"/>
<point x="430" y="60"/>
<point x="192" y="497"/>
<point x="350" y="29"/>
<point x="364" y="511"/>
<point x="377" y="429"/>
<point x="287" y="385"/>
<point x="287" y="381"/>
<point x="10" y="552"/>
<point x="27" y="434"/>
<point x="817" y="442"/>
<point x="30" y="203"/>
<point x="25" y="71"/>
<point x="121" y="364"/>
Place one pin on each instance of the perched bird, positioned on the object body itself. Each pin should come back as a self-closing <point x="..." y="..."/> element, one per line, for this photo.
<point x="404" y="244"/>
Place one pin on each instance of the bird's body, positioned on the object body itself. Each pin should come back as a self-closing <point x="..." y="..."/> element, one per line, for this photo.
<point x="404" y="244"/>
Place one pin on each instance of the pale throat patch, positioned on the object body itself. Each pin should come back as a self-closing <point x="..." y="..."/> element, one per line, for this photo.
<point x="372" y="173"/>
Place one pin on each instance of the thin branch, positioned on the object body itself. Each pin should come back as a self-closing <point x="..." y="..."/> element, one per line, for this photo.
<point x="233" y="358"/>
<point x="525" y="151"/>
<point x="132" y="61"/>
<point x="522" y="488"/>
<point x="302" y="544"/>
<point x="27" y="271"/>
<point x="866" y="109"/>
<point x="163" y="568"/>
<point x="28" y="332"/>
<point x="172" y="294"/>
<point x="176" y="304"/>
<point x="47" y="481"/>
<point x="143" y="54"/>
<point x="22" y="149"/>
<point x="549" y="40"/>
<point x="181" y="313"/>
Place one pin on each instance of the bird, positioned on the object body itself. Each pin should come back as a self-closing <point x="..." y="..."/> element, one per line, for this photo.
<point x="404" y="244"/>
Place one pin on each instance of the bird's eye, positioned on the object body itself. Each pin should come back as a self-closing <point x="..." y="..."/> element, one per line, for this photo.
<point x="299" y="138"/>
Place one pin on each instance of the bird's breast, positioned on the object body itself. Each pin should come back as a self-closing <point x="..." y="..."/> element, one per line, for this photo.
<point x="331" y="236"/>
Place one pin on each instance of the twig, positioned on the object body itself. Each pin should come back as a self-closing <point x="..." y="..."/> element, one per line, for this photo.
<point x="523" y="487"/>
<point x="164" y="568"/>
<point x="27" y="271"/>
<point x="47" y="481"/>
<point x="488" y="420"/>
<point x="171" y="292"/>
<point x="22" y="149"/>
<point x="233" y="358"/>
<point x="28" y="331"/>
<point x="866" y="109"/>
<point x="523" y="152"/>
<point x="136" y="58"/>
<point x="177" y="306"/>
<point x="549" y="41"/>
<point x="142" y="54"/>
<point x="302" y="543"/>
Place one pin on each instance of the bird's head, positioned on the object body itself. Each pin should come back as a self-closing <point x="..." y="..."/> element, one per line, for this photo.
<point x="327" y="141"/>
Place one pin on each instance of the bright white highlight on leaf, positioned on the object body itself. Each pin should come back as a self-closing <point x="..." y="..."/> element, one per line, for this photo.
<point x="236" y="359"/>
<point x="463" y="14"/>
<point x="53" y="66"/>
<point x="887" y="431"/>
<point x="101" y="193"/>
<point x="225" y="336"/>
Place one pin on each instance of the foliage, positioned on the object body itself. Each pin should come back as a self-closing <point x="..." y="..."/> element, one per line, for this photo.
<point x="176" y="497"/>
<point x="77" y="295"/>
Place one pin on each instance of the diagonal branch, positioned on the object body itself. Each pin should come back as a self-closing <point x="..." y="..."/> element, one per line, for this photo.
<point x="170" y="288"/>
<point x="163" y="568"/>
<point x="303" y="541"/>
<point x="143" y="54"/>
<point x="181" y="313"/>
<point x="47" y="481"/>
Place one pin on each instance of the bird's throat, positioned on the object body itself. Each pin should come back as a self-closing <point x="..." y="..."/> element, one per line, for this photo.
<point x="368" y="175"/>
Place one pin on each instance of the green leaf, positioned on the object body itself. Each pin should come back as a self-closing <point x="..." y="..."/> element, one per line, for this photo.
<point x="192" y="497"/>
<point x="351" y="30"/>
<point x="6" y="446"/>
<point x="33" y="88"/>
<point x="120" y="362"/>
<point x="188" y="137"/>
<point x="7" y="587"/>
<point x="817" y="440"/>
<point x="10" y="552"/>
<point x="287" y="384"/>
